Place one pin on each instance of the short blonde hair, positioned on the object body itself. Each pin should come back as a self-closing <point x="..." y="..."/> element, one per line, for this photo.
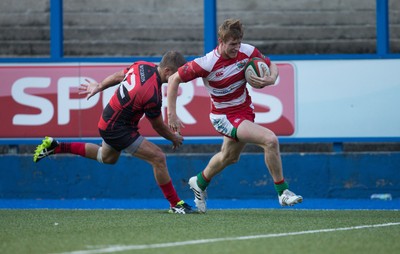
<point x="230" y="29"/>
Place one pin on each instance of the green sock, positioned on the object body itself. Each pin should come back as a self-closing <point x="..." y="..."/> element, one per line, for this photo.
<point x="201" y="182"/>
<point x="280" y="187"/>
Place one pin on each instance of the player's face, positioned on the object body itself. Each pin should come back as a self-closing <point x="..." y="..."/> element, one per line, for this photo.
<point x="230" y="48"/>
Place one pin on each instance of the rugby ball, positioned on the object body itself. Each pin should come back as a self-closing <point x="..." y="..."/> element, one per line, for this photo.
<point x="256" y="66"/>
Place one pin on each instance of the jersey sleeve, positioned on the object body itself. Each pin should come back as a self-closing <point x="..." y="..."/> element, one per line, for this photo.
<point x="257" y="53"/>
<point x="151" y="103"/>
<point x="152" y="108"/>
<point x="152" y="112"/>
<point x="190" y="71"/>
<point x="128" y="68"/>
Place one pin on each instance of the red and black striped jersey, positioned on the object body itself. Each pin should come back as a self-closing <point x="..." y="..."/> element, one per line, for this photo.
<point x="137" y="95"/>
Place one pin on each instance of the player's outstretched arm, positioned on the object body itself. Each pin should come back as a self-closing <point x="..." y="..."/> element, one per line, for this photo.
<point x="92" y="88"/>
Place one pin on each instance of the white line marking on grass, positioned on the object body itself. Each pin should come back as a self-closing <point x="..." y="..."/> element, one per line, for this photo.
<point x="117" y="248"/>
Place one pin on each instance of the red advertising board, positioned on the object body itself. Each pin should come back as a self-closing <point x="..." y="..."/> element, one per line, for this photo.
<point x="38" y="100"/>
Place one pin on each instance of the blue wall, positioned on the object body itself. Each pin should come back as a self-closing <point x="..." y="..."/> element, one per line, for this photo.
<point x="330" y="175"/>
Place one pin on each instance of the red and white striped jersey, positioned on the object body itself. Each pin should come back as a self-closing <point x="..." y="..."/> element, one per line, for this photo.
<point x="223" y="78"/>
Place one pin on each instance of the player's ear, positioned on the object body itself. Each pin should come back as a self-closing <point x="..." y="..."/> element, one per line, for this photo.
<point x="168" y="71"/>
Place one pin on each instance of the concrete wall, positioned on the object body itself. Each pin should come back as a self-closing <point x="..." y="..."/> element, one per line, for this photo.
<point x="151" y="27"/>
<point x="313" y="175"/>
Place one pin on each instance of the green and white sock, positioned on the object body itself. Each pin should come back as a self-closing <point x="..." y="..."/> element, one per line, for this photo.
<point x="281" y="186"/>
<point x="202" y="182"/>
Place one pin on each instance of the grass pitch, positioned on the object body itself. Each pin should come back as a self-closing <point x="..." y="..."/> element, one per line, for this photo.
<point x="218" y="231"/>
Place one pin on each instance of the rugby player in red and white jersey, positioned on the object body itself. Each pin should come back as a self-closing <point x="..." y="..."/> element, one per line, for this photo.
<point x="222" y="71"/>
<point x="139" y="94"/>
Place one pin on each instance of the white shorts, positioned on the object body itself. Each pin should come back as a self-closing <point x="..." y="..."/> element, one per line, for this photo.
<point x="228" y="124"/>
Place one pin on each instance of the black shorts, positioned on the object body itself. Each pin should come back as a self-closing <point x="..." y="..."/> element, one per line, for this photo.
<point x="121" y="138"/>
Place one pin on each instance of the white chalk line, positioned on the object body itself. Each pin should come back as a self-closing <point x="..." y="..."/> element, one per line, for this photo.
<point x="118" y="248"/>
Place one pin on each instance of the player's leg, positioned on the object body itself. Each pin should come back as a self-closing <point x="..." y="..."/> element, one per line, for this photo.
<point x="104" y="154"/>
<point x="49" y="146"/>
<point x="229" y="154"/>
<point x="250" y="132"/>
<point x="151" y="153"/>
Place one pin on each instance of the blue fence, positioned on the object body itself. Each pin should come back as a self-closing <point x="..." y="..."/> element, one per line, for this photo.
<point x="319" y="175"/>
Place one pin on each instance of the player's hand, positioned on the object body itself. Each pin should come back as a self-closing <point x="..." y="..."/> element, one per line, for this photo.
<point x="174" y="123"/>
<point x="91" y="88"/>
<point x="258" y="82"/>
<point x="177" y="141"/>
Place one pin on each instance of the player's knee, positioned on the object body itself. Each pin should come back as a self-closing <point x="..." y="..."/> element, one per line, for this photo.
<point x="105" y="160"/>
<point x="159" y="159"/>
<point x="271" y="142"/>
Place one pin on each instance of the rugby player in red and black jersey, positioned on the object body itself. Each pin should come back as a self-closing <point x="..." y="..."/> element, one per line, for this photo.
<point x="138" y="94"/>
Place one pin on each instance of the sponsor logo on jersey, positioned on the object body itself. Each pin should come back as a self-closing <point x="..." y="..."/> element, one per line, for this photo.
<point x="142" y="74"/>
<point x="240" y="65"/>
